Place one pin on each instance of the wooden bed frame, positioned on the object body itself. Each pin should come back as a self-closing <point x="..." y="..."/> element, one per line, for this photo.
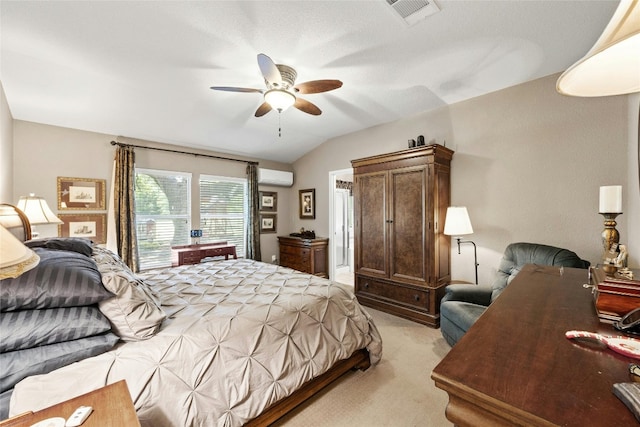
<point x="358" y="360"/>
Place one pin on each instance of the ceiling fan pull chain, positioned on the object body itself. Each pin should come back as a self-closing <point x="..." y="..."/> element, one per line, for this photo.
<point x="279" y="126"/>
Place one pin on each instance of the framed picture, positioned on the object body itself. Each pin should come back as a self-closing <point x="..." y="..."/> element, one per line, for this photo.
<point x="81" y="193"/>
<point x="308" y="203"/>
<point x="89" y="226"/>
<point x="268" y="223"/>
<point x="268" y="201"/>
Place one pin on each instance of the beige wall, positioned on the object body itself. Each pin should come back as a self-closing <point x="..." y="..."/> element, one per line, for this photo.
<point x="42" y="153"/>
<point x="6" y="148"/>
<point x="528" y="166"/>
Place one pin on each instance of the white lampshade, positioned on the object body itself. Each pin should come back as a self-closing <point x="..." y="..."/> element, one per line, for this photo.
<point x="37" y="210"/>
<point x="279" y="99"/>
<point x="610" y="199"/>
<point x="612" y="66"/>
<point x="15" y="257"/>
<point x="457" y="222"/>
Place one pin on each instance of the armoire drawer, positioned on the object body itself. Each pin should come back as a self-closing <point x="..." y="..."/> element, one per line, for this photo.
<point x="395" y="292"/>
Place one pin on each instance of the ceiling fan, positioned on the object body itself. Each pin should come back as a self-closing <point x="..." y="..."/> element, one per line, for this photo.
<point x="281" y="92"/>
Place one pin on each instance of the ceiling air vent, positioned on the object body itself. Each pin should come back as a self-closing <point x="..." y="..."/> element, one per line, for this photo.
<point x="412" y="11"/>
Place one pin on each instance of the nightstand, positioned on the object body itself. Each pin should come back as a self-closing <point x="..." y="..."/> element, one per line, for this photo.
<point x="112" y="407"/>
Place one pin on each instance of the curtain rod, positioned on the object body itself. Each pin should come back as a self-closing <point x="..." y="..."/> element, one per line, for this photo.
<point x="122" y="144"/>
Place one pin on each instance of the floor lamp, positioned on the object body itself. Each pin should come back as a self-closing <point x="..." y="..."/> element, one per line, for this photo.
<point x="457" y="223"/>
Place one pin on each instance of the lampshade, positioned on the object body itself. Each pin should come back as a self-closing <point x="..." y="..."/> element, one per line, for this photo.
<point x="610" y="199"/>
<point x="279" y="99"/>
<point x="15" y="257"/>
<point x="612" y="66"/>
<point x="37" y="210"/>
<point x="457" y="222"/>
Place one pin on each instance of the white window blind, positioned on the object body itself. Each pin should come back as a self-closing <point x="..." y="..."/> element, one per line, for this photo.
<point x="223" y="203"/>
<point x="163" y="214"/>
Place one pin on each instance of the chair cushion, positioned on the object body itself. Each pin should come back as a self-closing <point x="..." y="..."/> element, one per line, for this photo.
<point x="456" y="317"/>
<point x="475" y="294"/>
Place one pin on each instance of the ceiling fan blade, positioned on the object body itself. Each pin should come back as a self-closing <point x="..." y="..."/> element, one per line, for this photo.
<point x="269" y="70"/>
<point x="263" y="109"/>
<point x="235" y="89"/>
<point x="307" y="107"/>
<point x="317" y="86"/>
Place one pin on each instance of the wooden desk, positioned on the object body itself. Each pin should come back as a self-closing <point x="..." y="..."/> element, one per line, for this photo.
<point x="515" y="367"/>
<point x="193" y="254"/>
<point x="112" y="407"/>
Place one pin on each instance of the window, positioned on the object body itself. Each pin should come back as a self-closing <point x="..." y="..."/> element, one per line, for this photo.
<point x="223" y="203"/>
<point x="163" y="214"/>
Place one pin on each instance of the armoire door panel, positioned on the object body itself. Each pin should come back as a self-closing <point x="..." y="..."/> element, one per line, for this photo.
<point x="371" y="225"/>
<point x="407" y="235"/>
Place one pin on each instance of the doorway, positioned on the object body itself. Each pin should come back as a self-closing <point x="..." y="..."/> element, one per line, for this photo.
<point x="341" y="226"/>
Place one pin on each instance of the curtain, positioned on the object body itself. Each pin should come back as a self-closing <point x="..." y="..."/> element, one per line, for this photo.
<point x="253" y="214"/>
<point x="124" y="206"/>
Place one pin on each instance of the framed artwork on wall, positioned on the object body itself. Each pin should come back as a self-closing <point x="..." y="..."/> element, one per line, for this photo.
<point x="89" y="226"/>
<point x="81" y="193"/>
<point x="268" y="201"/>
<point x="268" y="223"/>
<point x="307" y="203"/>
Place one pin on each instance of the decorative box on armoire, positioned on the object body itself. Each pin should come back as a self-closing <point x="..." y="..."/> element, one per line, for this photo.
<point x="402" y="256"/>
<point x="306" y="255"/>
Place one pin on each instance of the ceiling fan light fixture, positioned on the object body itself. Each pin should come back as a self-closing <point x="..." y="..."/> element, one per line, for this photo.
<point x="279" y="99"/>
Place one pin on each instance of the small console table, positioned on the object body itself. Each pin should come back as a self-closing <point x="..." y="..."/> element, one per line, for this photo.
<point x="515" y="367"/>
<point x="193" y="254"/>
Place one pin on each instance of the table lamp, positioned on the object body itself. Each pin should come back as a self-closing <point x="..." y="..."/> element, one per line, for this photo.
<point x="38" y="211"/>
<point x="610" y="207"/>
<point x="457" y="223"/>
<point x="15" y="257"/>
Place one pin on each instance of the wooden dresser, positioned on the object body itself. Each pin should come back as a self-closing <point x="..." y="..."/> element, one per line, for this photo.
<point x="306" y="255"/>
<point x="402" y="257"/>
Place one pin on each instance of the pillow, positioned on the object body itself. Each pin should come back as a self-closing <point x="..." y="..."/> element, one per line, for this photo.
<point x="61" y="279"/>
<point x="17" y="365"/>
<point x="30" y="328"/>
<point x="134" y="312"/>
<point x="73" y="244"/>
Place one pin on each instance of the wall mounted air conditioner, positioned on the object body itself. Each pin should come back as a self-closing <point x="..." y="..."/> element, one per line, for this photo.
<point x="274" y="177"/>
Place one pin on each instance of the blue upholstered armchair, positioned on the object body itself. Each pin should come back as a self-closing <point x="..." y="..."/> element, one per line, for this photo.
<point x="462" y="305"/>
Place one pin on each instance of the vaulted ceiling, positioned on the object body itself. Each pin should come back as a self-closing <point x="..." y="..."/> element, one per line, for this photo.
<point x="143" y="69"/>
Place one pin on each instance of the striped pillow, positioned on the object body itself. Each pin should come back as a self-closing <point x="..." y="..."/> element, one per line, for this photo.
<point x="61" y="279"/>
<point x="30" y="328"/>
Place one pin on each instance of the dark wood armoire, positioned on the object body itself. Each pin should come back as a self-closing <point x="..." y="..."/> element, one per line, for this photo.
<point x="402" y="257"/>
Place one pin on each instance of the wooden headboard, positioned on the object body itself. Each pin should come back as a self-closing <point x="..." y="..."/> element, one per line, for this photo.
<point x="14" y="220"/>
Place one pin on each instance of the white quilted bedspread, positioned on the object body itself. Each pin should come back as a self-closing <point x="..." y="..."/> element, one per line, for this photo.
<point x="239" y="336"/>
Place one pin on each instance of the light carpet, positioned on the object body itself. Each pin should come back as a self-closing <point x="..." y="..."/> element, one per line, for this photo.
<point x="398" y="391"/>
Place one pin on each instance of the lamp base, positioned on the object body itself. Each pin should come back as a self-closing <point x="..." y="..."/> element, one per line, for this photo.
<point x="610" y="235"/>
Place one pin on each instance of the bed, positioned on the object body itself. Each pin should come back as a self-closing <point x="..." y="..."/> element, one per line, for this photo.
<point x="220" y="343"/>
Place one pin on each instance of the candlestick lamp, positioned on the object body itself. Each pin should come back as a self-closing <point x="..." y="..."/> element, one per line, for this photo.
<point x="610" y="208"/>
